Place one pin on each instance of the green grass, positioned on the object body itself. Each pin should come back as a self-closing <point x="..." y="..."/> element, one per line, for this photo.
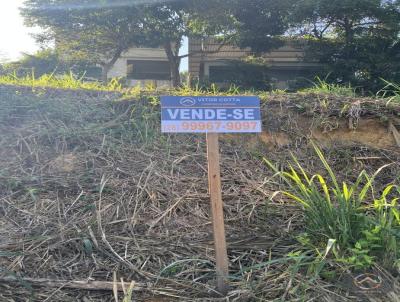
<point x="391" y="91"/>
<point x="67" y="81"/>
<point x="360" y="228"/>
<point x="70" y="81"/>
<point x="323" y="87"/>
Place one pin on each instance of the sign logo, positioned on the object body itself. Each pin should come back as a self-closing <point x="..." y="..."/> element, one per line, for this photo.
<point x="368" y="282"/>
<point x="187" y="102"/>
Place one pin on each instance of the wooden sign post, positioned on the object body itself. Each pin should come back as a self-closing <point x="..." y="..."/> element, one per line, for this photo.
<point x="213" y="115"/>
<point x="214" y="184"/>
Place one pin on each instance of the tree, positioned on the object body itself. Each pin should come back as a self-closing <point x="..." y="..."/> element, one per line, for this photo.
<point x="97" y="34"/>
<point x="166" y="24"/>
<point x="357" y="39"/>
<point x="43" y="61"/>
<point x="49" y="61"/>
<point x="260" y="24"/>
<point x="102" y="30"/>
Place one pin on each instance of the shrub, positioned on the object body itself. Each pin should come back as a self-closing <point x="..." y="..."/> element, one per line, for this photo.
<point x="322" y="86"/>
<point x="62" y="81"/>
<point x="391" y="92"/>
<point x="365" y="229"/>
<point x="49" y="61"/>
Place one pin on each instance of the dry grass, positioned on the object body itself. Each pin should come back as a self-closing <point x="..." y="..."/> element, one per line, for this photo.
<point x="90" y="191"/>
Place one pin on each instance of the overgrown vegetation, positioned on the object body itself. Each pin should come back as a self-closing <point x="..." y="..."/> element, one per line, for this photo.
<point x="323" y="86"/>
<point x="357" y="41"/>
<point x="49" y="61"/>
<point x="91" y="190"/>
<point x="89" y="179"/>
<point x="71" y="81"/>
<point x="355" y="222"/>
<point x="63" y="81"/>
<point x="391" y="91"/>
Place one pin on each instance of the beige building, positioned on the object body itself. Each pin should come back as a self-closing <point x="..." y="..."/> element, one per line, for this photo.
<point x="211" y="61"/>
<point x="142" y="66"/>
<point x="285" y="64"/>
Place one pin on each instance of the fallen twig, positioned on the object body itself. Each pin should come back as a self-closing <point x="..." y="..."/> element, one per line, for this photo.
<point x="75" y="284"/>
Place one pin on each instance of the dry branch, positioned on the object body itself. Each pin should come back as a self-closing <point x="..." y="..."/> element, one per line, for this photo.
<point x="74" y="284"/>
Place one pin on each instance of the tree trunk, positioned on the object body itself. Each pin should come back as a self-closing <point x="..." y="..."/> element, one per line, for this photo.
<point x="106" y="67"/>
<point x="175" y="74"/>
<point x="348" y="31"/>
<point x="174" y="63"/>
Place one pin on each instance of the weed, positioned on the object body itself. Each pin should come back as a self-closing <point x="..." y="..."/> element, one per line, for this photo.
<point x="279" y="91"/>
<point x="391" y="91"/>
<point x="66" y="81"/>
<point x="363" y="232"/>
<point x="129" y="293"/>
<point x="322" y="86"/>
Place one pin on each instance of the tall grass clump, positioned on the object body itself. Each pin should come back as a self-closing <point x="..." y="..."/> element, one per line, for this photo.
<point x="391" y="91"/>
<point x="323" y="87"/>
<point x="365" y="228"/>
<point x="65" y="81"/>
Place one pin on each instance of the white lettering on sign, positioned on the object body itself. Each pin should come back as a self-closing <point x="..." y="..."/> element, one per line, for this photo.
<point x="237" y="114"/>
<point x="249" y="114"/>
<point x="211" y="114"/>
<point x="221" y="114"/>
<point x="173" y="113"/>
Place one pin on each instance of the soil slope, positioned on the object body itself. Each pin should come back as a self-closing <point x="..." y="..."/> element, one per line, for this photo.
<point x="91" y="191"/>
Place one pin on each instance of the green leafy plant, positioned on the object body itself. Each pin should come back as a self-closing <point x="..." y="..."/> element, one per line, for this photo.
<point x="364" y="229"/>
<point x="391" y="91"/>
<point x="65" y="81"/>
<point x="323" y="86"/>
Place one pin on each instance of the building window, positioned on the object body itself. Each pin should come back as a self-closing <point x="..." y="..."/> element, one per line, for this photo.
<point x="221" y="73"/>
<point x="148" y="70"/>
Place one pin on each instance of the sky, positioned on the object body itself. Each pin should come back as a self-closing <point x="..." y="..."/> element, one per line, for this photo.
<point x="14" y="36"/>
<point x="184" y="50"/>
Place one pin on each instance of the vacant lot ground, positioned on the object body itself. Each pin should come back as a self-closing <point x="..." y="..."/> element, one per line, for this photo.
<point x="90" y="191"/>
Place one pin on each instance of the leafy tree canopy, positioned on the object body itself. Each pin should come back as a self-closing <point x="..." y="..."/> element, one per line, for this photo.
<point x="357" y="39"/>
<point x="101" y="30"/>
<point x="98" y="34"/>
<point x="261" y="23"/>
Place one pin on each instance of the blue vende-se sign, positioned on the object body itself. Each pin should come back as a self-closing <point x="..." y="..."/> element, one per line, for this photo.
<point x="210" y="114"/>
